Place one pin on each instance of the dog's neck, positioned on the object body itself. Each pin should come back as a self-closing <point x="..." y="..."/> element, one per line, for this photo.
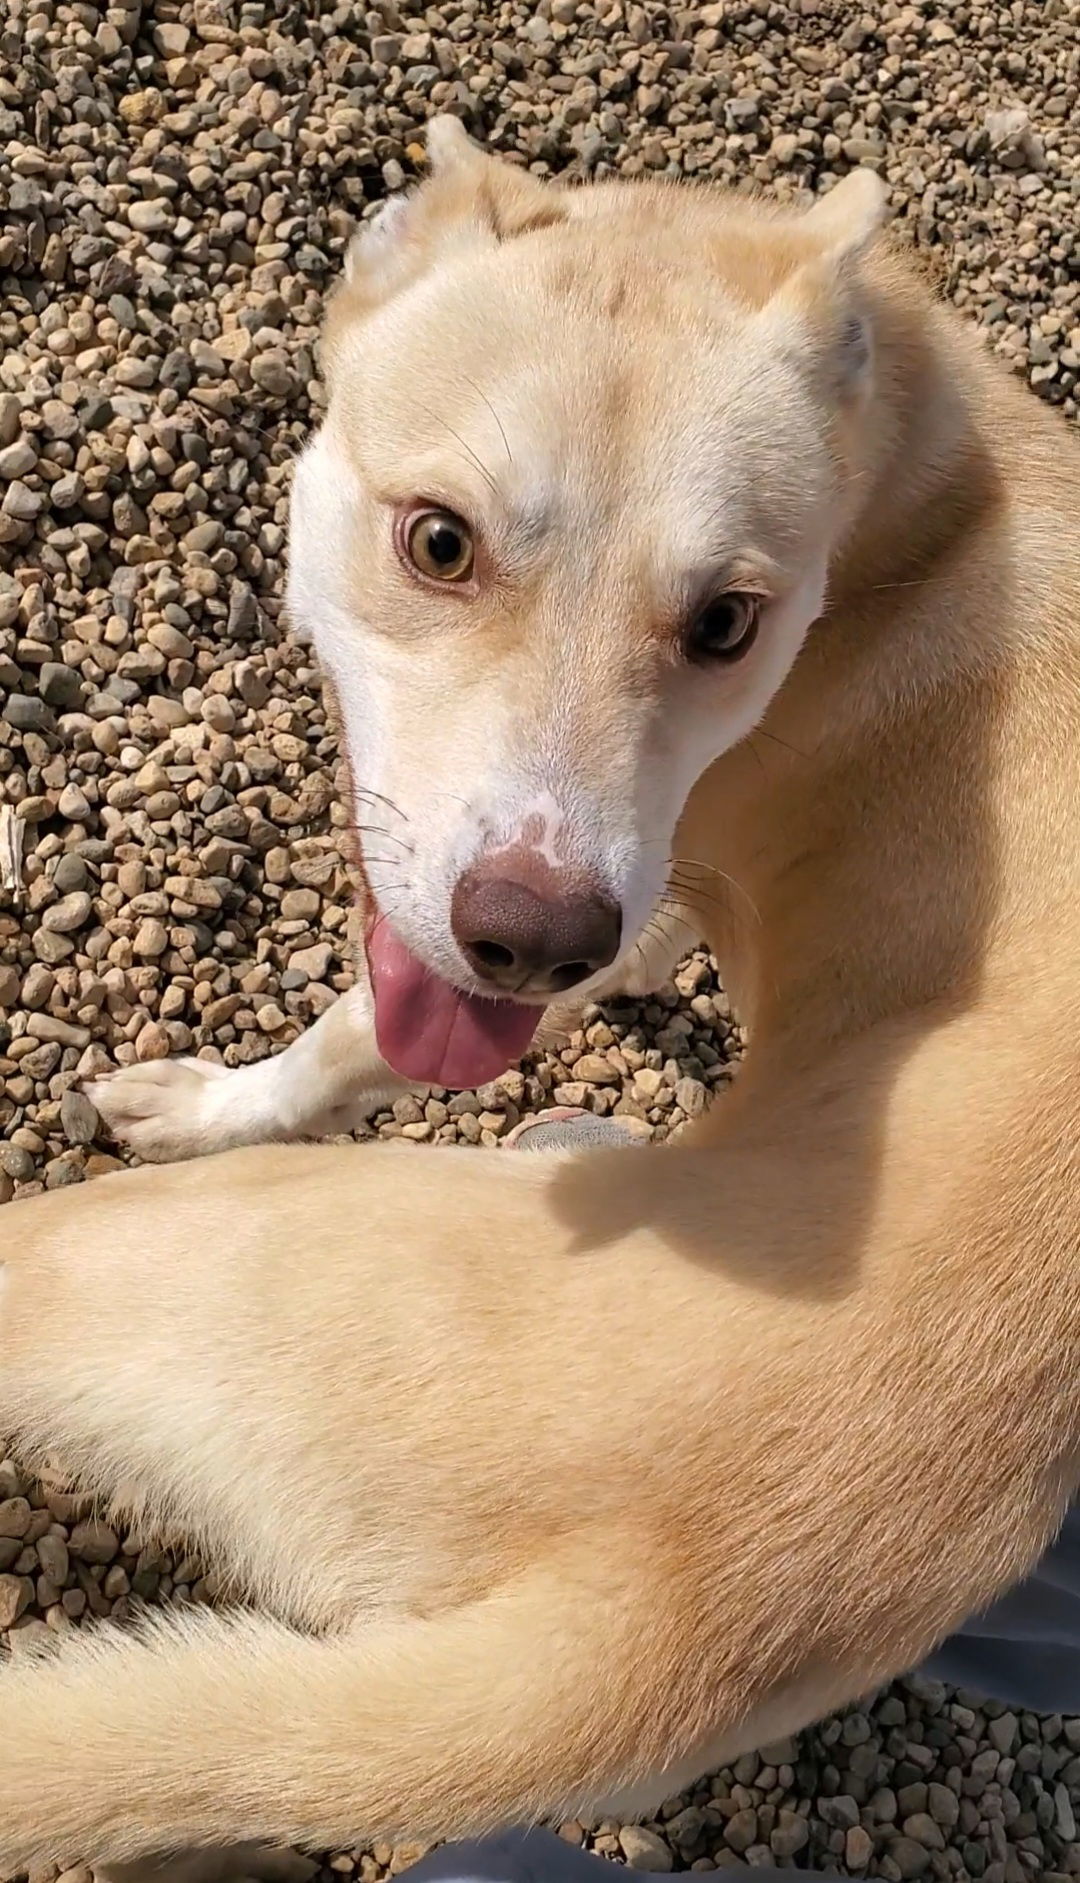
<point x="856" y="821"/>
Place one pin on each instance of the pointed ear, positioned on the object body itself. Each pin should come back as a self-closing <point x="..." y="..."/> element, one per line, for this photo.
<point x="846" y="221"/>
<point x="822" y="311"/>
<point x="469" y="198"/>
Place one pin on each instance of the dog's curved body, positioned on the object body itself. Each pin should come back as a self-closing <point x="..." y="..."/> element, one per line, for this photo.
<point x="553" y="1480"/>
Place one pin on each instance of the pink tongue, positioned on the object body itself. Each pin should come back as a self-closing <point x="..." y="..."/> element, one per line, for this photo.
<point x="432" y="1033"/>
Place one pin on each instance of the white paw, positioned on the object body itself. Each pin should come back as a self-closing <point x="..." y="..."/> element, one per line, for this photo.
<point x="169" y="1108"/>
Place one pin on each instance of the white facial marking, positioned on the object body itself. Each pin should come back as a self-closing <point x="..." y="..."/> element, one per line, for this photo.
<point x="550" y="709"/>
<point x="540" y="825"/>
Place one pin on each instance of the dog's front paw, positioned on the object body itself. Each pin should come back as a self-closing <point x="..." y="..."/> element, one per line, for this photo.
<point x="169" y="1109"/>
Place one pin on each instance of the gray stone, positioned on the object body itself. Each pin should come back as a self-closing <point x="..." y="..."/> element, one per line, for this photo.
<point x="1002" y="1732"/>
<point x="61" y="686"/>
<point x="27" y="713"/>
<point x="78" y="1119"/>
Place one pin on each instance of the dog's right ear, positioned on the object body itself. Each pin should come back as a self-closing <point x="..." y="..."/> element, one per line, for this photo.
<point x="469" y="198"/>
<point x="821" y="310"/>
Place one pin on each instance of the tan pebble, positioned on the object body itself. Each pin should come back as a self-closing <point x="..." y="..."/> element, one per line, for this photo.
<point x="646" y="1085"/>
<point x="690" y="1096"/>
<point x="596" y="1070"/>
<point x="27" y="1637"/>
<point x="404" y="1856"/>
<point x="152" y="1042"/>
<point x="16" y="1594"/>
<point x="15" y="1517"/>
<point x="54" y="1558"/>
<point x="645" y="1849"/>
<point x="94" y="1541"/>
<point x="858" y="1848"/>
<point x="151" y="938"/>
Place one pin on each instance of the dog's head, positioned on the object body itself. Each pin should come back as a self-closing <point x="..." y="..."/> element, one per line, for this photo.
<point x="558" y="543"/>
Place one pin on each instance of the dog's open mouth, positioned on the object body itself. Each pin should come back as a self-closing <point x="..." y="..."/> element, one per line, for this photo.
<point x="432" y="1033"/>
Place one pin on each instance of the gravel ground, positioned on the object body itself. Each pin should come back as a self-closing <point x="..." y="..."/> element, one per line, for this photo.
<point x="177" y="181"/>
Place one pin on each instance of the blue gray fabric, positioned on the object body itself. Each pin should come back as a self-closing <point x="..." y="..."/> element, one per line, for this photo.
<point x="512" y="1857"/>
<point x="535" y="1857"/>
<point x="1026" y="1649"/>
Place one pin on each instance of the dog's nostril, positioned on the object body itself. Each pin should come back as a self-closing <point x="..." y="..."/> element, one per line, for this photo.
<point x="490" y="954"/>
<point x="568" y="974"/>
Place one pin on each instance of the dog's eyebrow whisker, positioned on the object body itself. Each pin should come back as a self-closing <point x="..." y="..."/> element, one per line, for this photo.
<point x="467" y="448"/>
<point x="480" y="465"/>
<point x="481" y="394"/>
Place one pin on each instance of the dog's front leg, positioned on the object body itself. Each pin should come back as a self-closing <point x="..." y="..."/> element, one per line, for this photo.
<point x="326" y="1082"/>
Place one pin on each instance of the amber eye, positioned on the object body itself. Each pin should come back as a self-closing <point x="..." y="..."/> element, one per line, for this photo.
<point x="726" y="628"/>
<point x="440" y="545"/>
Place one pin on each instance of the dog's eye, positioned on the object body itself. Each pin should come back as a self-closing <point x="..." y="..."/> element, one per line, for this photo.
<point x="726" y="628"/>
<point x="440" y="545"/>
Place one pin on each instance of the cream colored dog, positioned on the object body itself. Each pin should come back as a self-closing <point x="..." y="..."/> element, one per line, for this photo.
<point x="645" y="522"/>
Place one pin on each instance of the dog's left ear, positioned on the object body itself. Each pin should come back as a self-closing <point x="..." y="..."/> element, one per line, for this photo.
<point x="846" y="221"/>
<point x="823" y="307"/>
<point x="469" y="197"/>
<point x="497" y="198"/>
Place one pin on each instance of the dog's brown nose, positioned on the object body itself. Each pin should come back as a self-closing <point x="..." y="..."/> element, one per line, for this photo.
<point x="526" y="928"/>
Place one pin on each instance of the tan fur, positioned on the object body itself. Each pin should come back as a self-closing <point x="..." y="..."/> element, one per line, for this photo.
<point x="554" y="1480"/>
